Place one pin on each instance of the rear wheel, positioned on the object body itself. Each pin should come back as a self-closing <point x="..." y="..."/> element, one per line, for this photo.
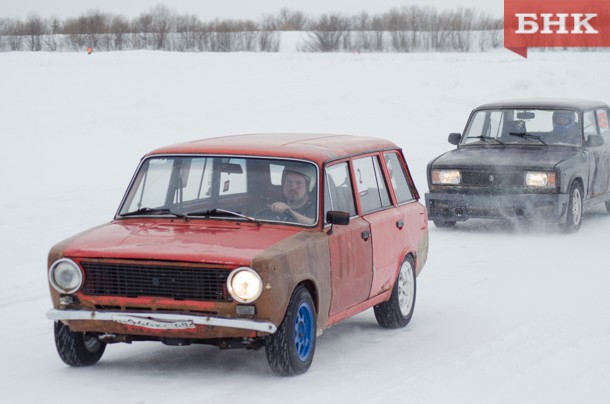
<point x="290" y="349"/>
<point x="77" y="348"/>
<point x="397" y="312"/>
<point x="575" y="207"/>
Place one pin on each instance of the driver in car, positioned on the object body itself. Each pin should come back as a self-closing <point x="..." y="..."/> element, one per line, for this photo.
<point x="298" y="183"/>
<point x="565" y="127"/>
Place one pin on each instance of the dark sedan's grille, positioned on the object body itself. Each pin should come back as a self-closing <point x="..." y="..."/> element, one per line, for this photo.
<point x="492" y="179"/>
<point x="169" y="281"/>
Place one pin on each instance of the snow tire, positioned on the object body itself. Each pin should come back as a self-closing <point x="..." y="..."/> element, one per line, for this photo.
<point x="575" y="209"/>
<point x="76" y="348"/>
<point x="291" y="348"/>
<point x="443" y="224"/>
<point x="397" y="312"/>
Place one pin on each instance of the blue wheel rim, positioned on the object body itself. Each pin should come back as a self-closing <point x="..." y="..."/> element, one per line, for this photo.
<point x="303" y="332"/>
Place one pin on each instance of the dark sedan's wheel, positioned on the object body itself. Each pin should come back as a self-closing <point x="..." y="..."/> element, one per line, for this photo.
<point x="575" y="207"/>
<point x="444" y="223"/>
<point x="290" y="349"/>
<point x="397" y="312"/>
<point x="77" y="348"/>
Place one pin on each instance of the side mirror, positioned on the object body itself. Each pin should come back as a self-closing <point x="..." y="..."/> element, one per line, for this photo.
<point x="594" y="141"/>
<point x="337" y="217"/>
<point x="454" y="138"/>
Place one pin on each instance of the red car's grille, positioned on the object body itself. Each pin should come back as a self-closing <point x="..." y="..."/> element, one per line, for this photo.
<point x="169" y="281"/>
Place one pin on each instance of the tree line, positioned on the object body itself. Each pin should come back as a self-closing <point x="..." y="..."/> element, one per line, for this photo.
<point x="406" y="29"/>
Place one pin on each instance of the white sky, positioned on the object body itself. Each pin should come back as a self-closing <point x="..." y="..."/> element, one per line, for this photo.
<point x="236" y="9"/>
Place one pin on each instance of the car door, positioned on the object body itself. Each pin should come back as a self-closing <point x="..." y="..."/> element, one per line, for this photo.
<point x="351" y="251"/>
<point x="386" y="222"/>
<point x="415" y="220"/>
<point x="595" y="123"/>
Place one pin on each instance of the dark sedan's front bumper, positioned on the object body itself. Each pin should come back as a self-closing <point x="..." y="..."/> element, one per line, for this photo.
<point x="459" y="207"/>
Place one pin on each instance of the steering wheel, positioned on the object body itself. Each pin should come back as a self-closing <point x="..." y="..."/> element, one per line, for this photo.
<point x="269" y="214"/>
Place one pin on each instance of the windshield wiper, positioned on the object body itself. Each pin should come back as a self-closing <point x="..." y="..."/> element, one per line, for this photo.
<point x="152" y="211"/>
<point x="525" y="135"/>
<point x="486" y="138"/>
<point x="219" y="212"/>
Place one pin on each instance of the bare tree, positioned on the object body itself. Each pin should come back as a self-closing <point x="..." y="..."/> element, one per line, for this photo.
<point x="142" y="29"/>
<point x="53" y="31"/>
<point x="163" y="21"/>
<point x="328" y="33"/>
<point x="3" y="28"/>
<point x="291" y="20"/>
<point x="187" y="29"/>
<point x="33" y="29"/>
<point x="119" y="31"/>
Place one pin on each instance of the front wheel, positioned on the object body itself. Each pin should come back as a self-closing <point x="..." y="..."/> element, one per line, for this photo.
<point x="290" y="349"/>
<point x="441" y="224"/>
<point x="77" y="348"/>
<point x="575" y="207"/>
<point x="397" y="312"/>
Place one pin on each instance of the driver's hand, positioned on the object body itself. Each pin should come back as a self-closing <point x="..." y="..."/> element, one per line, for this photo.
<point x="279" y="207"/>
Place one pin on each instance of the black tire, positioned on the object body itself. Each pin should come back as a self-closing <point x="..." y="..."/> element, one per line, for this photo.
<point x="77" y="348"/>
<point x="575" y="209"/>
<point x="397" y="312"/>
<point x="442" y="224"/>
<point x="291" y="348"/>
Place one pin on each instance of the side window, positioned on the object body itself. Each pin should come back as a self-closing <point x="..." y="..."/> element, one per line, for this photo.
<point x="338" y="194"/>
<point x="370" y="184"/>
<point x="398" y="178"/>
<point x="589" y="125"/>
<point x="602" y="121"/>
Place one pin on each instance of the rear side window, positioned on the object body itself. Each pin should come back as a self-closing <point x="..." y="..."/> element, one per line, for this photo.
<point x="602" y="121"/>
<point x="372" y="190"/>
<point x="398" y="178"/>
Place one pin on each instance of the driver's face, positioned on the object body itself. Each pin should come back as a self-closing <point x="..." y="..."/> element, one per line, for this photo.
<point x="562" y="120"/>
<point x="295" y="188"/>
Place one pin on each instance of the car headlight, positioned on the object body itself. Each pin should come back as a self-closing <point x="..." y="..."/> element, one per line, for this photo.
<point x="446" y="177"/>
<point x="540" y="179"/>
<point x="65" y="276"/>
<point x="244" y="285"/>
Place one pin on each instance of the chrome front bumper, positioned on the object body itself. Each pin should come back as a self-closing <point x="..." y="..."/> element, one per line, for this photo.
<point x="160" y="321"/>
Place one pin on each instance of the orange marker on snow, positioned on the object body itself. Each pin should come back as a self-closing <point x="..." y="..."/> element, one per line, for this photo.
<point x="89" y="50"/>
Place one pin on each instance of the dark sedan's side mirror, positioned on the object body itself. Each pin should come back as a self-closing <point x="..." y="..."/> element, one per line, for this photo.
<point x="337" y="217"/>
<point x="454" y="138"/>
<point x="594" y="141"/>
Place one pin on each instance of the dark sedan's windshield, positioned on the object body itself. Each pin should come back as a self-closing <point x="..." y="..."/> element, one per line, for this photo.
<point x="524" y="126"/>
<point x="238" y="188"/>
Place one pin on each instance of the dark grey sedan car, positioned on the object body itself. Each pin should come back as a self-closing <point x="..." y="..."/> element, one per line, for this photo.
<point x="544" y="160"/>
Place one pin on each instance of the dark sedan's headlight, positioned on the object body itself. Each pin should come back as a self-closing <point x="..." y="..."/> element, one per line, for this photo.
<point x="446" y="177"/>
<point x="65" y="276"/>
<point x="541" y="179"/>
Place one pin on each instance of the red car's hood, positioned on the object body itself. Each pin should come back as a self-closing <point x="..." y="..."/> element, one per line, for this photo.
<point x="195" y="241"/>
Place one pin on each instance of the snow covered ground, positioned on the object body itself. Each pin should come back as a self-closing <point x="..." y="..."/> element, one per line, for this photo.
<point x="504" y="314"/>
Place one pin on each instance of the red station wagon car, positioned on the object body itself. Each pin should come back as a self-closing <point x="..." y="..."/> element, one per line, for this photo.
<point x="245" y="241"/>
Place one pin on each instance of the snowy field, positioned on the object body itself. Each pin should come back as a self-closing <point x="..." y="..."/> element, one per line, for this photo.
<point x="505" y="314"/>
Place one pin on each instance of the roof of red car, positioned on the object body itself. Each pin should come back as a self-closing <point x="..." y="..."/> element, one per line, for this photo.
<point x="316" y="147"/>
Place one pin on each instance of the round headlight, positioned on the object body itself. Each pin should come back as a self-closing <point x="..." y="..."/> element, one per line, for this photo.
<point x="244" y="285"/>
<point x="65" y="276"/>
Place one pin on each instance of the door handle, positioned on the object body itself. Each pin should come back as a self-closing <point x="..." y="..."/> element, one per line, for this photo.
<point x="400" y="224"/>
<point x="366" y="234"/>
